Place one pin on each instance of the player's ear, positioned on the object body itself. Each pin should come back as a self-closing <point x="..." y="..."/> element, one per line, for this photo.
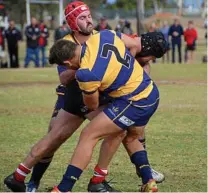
<point x="67" y="63"/>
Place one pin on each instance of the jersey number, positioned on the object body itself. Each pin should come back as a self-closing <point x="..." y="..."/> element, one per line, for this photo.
<point x="111" y="48"/>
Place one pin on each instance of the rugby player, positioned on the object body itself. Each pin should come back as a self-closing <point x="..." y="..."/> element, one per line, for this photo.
<point x="41" y="155"/>
<point x="105" y="65"/>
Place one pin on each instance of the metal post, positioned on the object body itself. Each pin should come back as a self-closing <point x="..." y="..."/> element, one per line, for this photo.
<point x="61" y="12"/>
<point x="28" y="11"/>
<point x="139" y="14"/>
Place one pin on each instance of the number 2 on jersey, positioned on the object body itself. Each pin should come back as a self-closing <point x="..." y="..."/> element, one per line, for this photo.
<point x="107" y="48"/>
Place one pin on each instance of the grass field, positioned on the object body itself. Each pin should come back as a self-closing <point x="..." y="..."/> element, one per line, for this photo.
<point x="176" y="135"/>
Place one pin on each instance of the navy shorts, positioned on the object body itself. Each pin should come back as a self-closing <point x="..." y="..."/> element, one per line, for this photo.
<point x="70" y="99"/>
<point x="133" y="113"/>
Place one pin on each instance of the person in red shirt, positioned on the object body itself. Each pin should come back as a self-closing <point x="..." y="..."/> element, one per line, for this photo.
<point x="3" y="63"/>
<point x="43" y="41"/>
<point x="190" y="37"/>
<point x="2" y="38"/>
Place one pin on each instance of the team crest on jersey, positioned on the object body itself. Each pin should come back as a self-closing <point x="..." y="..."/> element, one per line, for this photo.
<point x="126" y="121"/>
<point x="115" y="109"/>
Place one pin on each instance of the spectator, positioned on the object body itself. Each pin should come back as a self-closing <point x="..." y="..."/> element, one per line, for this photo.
<point x="206" y="23"/>
<point x="3" y="64"/>
<point x="120" y="25"/>
<point x="165" y="30"/>
<point x="43" y="41"/>
<point x="127" y="28"/>
<point x="190" y="37"/>
<point x="2" y="36"/>
<point x="13" y="35"/>
<point x="124" y="27"/>
<point x="61" y="31"/>
<point x="32" y="33"/>
<point x="153" y="28"/>
<point x="103" y="24"/>
<point x="176" y="31"/>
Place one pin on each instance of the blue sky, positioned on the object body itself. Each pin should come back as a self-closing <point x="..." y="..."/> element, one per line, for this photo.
<point x="191" y="2"/>
<point x="111" y="1"/>
<point x="186" y="2"/>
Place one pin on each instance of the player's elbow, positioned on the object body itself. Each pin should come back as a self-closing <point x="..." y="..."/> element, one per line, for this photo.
<point x="66" y="76"/>
<point x="63" y="80"/>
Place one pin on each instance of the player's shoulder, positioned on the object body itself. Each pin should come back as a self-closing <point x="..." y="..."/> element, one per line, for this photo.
<point x="85" y="75"/>
<point x="68" y="37"/>
<point x="111" y="33"/>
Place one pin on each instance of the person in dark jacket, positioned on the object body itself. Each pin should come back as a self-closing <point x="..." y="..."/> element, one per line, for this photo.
<point x="103" y="24"/>
<point x="32" y="33"/>
<point x="61" y="31"/>
<point x="176" y="31"/>
<point x="43" y="42"/>
<point x="13" y="35"/>
<point x="120" y="25"/>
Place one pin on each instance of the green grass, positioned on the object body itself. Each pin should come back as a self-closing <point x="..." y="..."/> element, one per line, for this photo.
<point x="176" y="135"/>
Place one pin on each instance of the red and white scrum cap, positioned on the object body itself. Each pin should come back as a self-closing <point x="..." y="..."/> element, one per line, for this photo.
<point x="72" y="11"/>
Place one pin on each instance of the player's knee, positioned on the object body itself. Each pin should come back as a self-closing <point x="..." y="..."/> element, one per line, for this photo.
<point x="88" y="138"/>
<point x="85" y="135"/>
<point x="130" y="138"/>
<point x="122" y="135"/>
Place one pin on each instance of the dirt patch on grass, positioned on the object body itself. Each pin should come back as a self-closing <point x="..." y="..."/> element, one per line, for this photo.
<point x="182" y="82"/>
<point x="42" y="83"/>
<point x="25" y="84"/>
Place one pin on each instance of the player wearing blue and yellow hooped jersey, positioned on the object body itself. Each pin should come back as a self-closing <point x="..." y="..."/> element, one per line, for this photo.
<point x="74" y="106"/>
<point x="104" y="65"/>
<point x="80" y="23"/>
<point x="108" y="66"/>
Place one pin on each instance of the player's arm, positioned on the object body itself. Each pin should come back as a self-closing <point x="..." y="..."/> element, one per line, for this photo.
<point x="91" y="100"/>
<point x="67" y="76"/>
<point x="133" y="44"/>
<point x="89" y="85"/>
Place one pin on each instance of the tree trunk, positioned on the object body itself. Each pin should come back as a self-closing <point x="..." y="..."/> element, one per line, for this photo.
<point x="180" y="7"/>
<point x="140" y="16"/>
<point x="155" y="4"/>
